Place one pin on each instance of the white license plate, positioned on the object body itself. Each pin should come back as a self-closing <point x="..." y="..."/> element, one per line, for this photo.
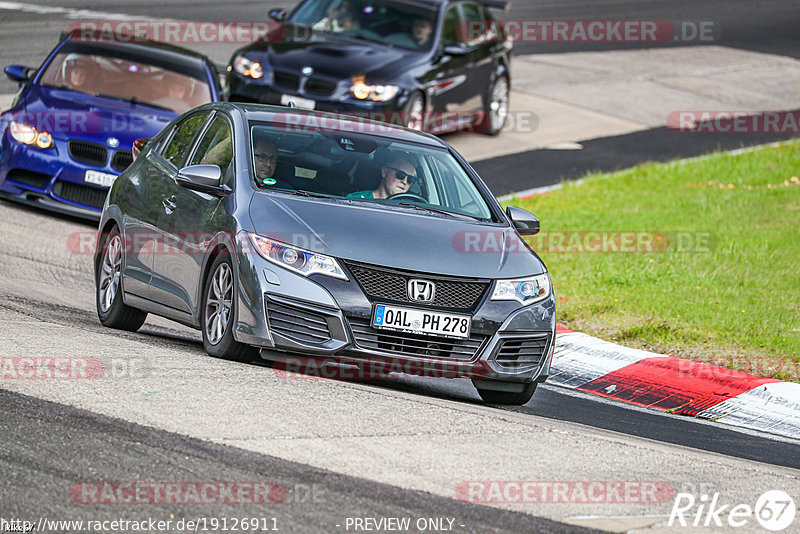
<point x="302" y="103"/>
<point x="418" y="321"/>
<point x="99" y="178"/>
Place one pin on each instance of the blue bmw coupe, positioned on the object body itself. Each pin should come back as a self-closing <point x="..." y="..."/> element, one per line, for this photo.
<point x="72" y="125"/>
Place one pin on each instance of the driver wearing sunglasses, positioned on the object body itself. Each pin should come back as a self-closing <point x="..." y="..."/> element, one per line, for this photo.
<point x="397" y="176"/>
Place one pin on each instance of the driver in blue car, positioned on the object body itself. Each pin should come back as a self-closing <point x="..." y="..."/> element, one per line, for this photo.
<point x="397" y="176"/>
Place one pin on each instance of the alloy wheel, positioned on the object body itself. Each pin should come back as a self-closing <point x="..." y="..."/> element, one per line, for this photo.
<point x="498" y="106"/>
<point x="218" y="303"/>
<point x="109" y="276"/>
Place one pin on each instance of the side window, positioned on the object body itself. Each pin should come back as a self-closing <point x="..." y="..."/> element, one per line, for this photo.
<point x="450" y="29"/>
<point x="178" y="147"/>
<point x="472" y="23"/>
<point x="216" y="147"/>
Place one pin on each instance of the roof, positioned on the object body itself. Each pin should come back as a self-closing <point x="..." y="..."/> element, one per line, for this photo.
<point x="496" y="4"/>
<point x="332" y="121"/>
<point x="136" y="44"/>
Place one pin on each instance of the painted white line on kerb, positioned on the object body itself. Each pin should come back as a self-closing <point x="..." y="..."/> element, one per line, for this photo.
<point x="68" y="12"/>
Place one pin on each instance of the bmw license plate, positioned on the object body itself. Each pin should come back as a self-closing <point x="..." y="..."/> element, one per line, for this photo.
<point x="302" y="103"/>
<point x="421" y="321"/>
<point x="99" y="178"/>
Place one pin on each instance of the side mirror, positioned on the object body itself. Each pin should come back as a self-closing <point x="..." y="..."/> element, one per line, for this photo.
<point x="525" y="222"/>
<point x="277" y="14"/>
<point x="19" y="73"/>
<point x="454" y="50"/>
<point x="138" y="146"/>
<point x="203" y="178"/>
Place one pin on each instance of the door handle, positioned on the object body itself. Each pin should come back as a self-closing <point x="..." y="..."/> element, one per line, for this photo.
<point x="170" y="204"/>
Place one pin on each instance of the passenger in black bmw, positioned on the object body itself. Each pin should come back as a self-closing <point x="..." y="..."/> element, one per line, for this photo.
<point x="340" y="19"/>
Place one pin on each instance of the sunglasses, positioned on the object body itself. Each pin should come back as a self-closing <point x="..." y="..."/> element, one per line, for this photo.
<point x="267" y="158"/>
<point x="402" y="175"/>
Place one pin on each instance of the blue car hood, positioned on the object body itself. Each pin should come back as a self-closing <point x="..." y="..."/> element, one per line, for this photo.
<point x="394" y="237"/>
<point x="70" y="115"/>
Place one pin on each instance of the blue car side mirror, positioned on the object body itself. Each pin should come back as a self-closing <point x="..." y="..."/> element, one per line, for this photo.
<point x="19" y="73"/>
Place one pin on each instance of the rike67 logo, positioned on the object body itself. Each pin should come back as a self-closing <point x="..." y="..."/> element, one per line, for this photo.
<point x="774" y="510"/>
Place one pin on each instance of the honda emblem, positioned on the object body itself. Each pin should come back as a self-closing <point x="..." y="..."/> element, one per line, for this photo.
<point x="421" y="290"/>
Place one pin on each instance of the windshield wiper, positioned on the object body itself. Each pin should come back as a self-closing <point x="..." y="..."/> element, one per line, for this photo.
<point x="436" y="210"/>
<point x="133" y="100"/>
<point x="304" y="193"/>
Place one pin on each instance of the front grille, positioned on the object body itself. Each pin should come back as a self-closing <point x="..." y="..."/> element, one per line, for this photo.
<point x="89" y="153"/>
<point x="31" y="178"/>
<point x="287" y="80"/>
<point x="297" y="323"/>
<point x="414" y="345"/>
<point x="387" y="284"/>
<point x="121" y="160"/>
<point x="522" y="352"/>
<point x="319" y="87"/>
<point x="82" y="194"/>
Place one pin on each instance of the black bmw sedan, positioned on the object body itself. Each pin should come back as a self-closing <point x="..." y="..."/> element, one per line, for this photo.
<point x="433" y="65"/>
<point x="285" y="233"/>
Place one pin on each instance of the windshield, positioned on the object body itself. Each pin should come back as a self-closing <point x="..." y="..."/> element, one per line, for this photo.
<point x="391" y="23"/>
<point x="362" y="167"/>
<point x="126" y="79"/>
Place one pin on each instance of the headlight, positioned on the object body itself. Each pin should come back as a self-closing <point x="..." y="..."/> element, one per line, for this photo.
<point x="246" y="67"/>
<point x="296" y="259"/>
<point x="378" y="93"/>
<point x="523" y="290"/>
<point x="27" y="135"/>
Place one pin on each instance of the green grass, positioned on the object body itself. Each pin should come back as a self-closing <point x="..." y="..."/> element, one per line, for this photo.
<point x="734" y="302"/>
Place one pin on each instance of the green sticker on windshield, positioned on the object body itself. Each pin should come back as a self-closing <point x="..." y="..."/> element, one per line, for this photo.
<point x="269" y="181"/>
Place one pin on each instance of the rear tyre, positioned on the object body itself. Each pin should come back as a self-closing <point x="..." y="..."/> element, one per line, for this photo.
<point x="111" y="310"/>
<point x="492" y="396"/>
<point x="219" y="298"/>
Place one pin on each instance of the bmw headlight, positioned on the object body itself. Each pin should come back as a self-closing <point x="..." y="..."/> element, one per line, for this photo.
<point x="296" y="259"/>
<point x="247" y="67"/>
<point x="28" y="135"/>
<point x="377" y="93"/>
<point x="523" y="290"/>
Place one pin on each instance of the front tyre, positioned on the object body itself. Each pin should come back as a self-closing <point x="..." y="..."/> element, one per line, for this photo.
<point x="111" y="310"/>
<point x="414" y="113"/>
<point x="516" y="398"/>
<point x="219" y="296"/>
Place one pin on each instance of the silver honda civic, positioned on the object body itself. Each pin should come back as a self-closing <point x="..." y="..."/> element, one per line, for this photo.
<point x="318" y="241"/>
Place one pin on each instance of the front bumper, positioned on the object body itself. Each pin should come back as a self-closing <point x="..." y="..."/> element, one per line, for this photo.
<point x="288" y="316"/>
<point x="51" y="179"/>
<point x="338" y="101"/>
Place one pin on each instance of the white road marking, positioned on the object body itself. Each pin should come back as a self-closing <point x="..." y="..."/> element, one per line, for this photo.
<point x="68" y="12"/>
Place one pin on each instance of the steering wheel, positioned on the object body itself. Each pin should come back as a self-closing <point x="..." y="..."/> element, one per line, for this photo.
<point x="409" y="196"/>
